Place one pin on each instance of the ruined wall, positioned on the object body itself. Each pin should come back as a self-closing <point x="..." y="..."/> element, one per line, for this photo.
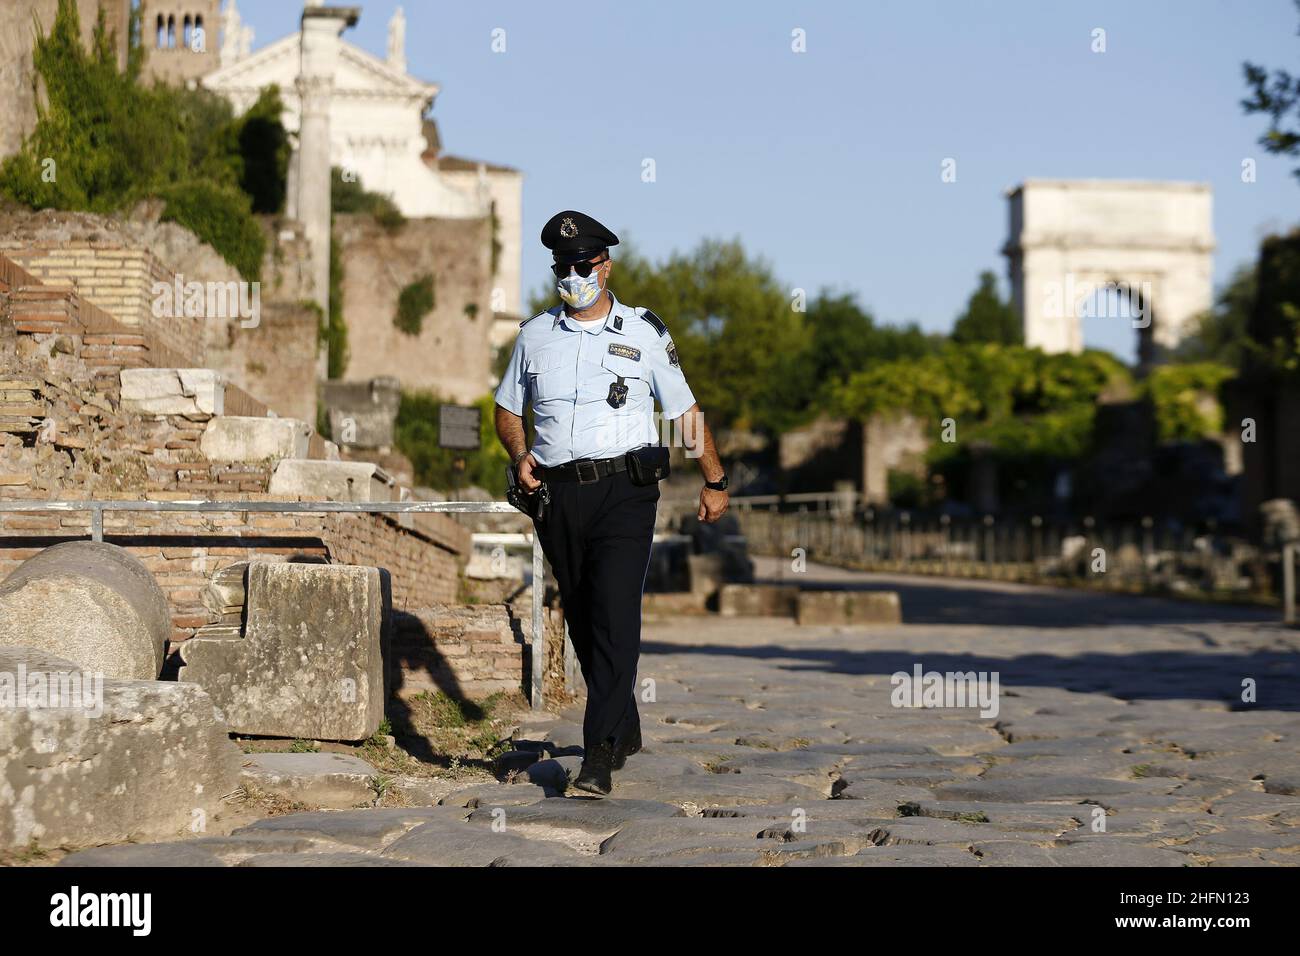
<point x="18" y="24"/>
<point x="889" y="444"/>
<point x="115" y="265"/>
<point x="819" y="455"/>
<point x="65" y="435"/>
<point x="184" y="550"/>
<point x="505" y="186"/>
<point x="451" y="354"/>
<point x="105" y="264"/>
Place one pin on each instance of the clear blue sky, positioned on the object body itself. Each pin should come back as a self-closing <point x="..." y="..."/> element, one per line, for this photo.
<point x="827" y="163"/>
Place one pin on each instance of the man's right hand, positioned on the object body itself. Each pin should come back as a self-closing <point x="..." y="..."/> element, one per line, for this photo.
<point x="525" y="472"/>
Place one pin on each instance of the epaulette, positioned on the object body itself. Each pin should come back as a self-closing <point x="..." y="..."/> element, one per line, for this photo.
<point x="654" y="320"/>
<point x="551" y="311"/>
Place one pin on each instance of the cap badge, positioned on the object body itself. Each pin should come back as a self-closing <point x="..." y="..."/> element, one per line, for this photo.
<point x="568" y="228"/>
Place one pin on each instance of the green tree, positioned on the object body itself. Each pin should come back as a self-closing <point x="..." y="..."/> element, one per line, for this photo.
<point x="1019" y="402"/>
<point x="752" y="359"/>
<point x="1274" y="327"/>
<point x="731" y="320"/>
<point x="987" y="317"/>
<point x="1277" y="96"/>
<point x="1185" y="398"/>
<point x="1222" y="335"/>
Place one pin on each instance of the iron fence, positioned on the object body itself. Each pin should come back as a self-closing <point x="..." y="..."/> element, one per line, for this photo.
<point x="1147" y="555"/>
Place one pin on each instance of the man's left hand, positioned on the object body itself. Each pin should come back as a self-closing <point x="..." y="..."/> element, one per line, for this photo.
<point x="713" y="505"/>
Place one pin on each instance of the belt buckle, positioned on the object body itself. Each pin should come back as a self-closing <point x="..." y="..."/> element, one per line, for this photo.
<point x="578" y="467"/>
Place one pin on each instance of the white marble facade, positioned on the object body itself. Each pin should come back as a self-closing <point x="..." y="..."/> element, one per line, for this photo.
<point x="376" y="122"/>
<point x="1071" y="238"/>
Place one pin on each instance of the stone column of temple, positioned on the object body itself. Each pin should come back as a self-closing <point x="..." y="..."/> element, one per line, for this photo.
<point x="321" y="28"/>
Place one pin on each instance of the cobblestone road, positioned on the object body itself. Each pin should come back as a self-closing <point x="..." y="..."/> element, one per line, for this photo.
<point x="1120" y="738"/>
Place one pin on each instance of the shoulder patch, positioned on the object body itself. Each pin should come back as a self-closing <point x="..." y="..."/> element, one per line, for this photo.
<point x="654" y="320"/>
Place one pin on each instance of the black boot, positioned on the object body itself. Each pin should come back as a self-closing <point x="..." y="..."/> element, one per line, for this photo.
<point x="627" y="746"/>
<point x="594" y="777"/>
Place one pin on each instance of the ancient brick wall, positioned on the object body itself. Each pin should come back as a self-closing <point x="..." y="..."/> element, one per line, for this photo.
<point x="116" y="264"/>
<point x="65" y="436"/>
<point x="107" y="267"/>
<point x="479" y="650"/>
<point x="184" y="550"/>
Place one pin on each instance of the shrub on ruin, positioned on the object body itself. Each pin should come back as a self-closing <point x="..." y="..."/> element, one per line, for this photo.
<point x="416" y="437"/>
<point x="103" y="141"/>
<point x="414" y="302"/>
<point x="349" y="195"/>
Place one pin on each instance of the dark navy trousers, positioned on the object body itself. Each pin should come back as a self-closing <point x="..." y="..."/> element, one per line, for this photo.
<point x="597" y="537"/>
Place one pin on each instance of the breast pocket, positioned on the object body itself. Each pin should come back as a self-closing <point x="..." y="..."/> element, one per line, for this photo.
<point x="548" y="376"/>
<point x="633" y="373"/>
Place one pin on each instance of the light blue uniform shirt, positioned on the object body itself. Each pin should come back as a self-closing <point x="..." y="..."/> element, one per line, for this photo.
<point x="565" y="371"/>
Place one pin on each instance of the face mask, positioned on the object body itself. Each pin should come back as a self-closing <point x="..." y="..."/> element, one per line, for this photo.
<point x="579" y="293"/>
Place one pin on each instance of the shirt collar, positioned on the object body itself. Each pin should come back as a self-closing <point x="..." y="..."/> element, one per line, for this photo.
<point x="614" y="319"/>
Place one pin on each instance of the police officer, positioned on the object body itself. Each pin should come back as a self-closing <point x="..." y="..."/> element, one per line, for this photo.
<point x="592" y="368"/>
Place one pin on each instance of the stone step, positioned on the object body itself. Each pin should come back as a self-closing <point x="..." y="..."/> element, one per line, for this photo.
<point x="173" y="391"/>
<point x="237" y="438"/>
<point x="333" y="480"/>
<point x="330" y="781"/>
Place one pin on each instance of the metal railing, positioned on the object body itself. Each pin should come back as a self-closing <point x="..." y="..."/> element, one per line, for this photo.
<point x="96" y="508"/>
<point x="1289" y="557"/>
<point x="1148" y="555"/>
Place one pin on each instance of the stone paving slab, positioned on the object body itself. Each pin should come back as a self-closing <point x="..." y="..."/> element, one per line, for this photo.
<point x="144" y="854"/>
<point x="450" y="843"/>
<point x="772" y="745"/>
<point x="368" y="829"/>
<point x="593" y="816"/>
<point x="323" y="859"/>
<point x="323" y="780"/>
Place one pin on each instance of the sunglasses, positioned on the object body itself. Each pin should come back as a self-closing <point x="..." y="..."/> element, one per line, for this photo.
<point x="582" y="268"/>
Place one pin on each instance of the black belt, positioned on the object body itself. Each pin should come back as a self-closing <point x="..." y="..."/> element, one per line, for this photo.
<point x="585" y="471"/>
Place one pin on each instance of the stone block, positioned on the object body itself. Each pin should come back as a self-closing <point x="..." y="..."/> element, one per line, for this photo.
<point x="757" y="600"/>
<point x="94" y="603"/>
<point x="362" y="414"/>
<point x="172" y="391"/>
<point x="332" y="480"/>
<point x="230" y="438"/>
<point x="320" y="780"/>
<point x="311" y="663"/>
<point x="134" y="759"/>
<point x="848" y="607"/>
<point x="707" y="572"/>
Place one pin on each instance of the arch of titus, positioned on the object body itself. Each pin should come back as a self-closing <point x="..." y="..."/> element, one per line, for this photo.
<point x="1071" y="238"/>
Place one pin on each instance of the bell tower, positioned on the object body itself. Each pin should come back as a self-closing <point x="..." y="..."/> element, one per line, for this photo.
<point x="181" y="38"/>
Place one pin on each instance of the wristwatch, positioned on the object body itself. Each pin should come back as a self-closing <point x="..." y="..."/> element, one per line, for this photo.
<point x="719" y="485"/>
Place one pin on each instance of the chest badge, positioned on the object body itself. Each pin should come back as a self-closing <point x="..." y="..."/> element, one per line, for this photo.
<point x="617" y="394"/>
<point x="625" y="351"/>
